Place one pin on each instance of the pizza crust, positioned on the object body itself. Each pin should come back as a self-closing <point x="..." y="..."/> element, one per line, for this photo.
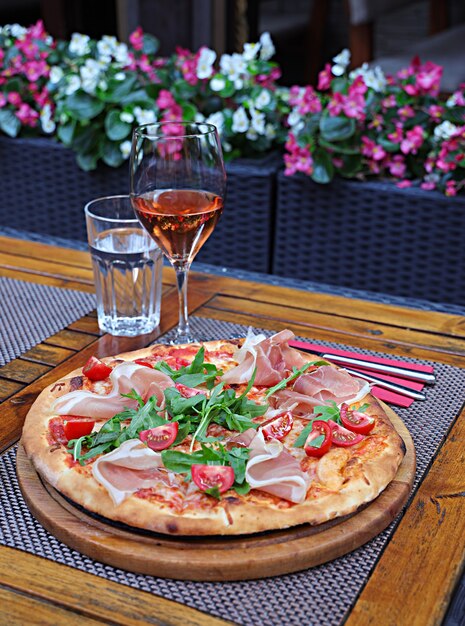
<point x="359" y="480"/>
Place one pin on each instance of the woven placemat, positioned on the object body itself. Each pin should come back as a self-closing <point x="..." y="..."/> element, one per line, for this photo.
<point x="31" y="312"/>
<point x="321" y="595"/>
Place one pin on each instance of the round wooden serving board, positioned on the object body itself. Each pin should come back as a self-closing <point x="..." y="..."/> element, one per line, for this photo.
<point x="216" y="558"/>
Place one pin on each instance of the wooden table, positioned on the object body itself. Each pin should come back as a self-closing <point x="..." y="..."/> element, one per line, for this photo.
<point x="415" y="577"/>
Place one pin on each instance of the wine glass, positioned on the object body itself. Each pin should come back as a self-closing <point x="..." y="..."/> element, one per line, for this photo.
<point x="178" y="186"/>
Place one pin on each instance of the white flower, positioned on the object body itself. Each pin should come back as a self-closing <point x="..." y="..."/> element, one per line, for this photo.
<point x="250" y="51"/>
<point x="120" y="76"/>
<point x="199" y="117"/>
<point x="18" y="31"/>
<point x="372" y="77"/>
<point x="263" y="99"/>
<point x="73" y="84"/>
<point x="56" y="74"/>
<point x="227" y="147"/>
<point x="267" y="48"/>
<point x="126" y="117"/>
<point x="125" y="148"/>
<point x="205" y="63"/>
<point x="103" y="85"/>
<point x="451" y="100"/>
<point x="258" y="121"/>
<point x="79" y="44"/>
<point x="145" y="116"/>
<point x="217" y="83"/>
<point x="90" y="73"/>
<point x="341" y="61"/>
<point x="217" y="120"/>
<point x="252" y="134"/>
<point x="106" y="46"/>
<point x="270" y="131"/>
<point x="234" y="67"/>
<point x="445" y="130"/>
<point x="121" y="54"/>
<point x="240" y="121"/>
<point x="48" y="125"/>
<point x="294" y="118"/>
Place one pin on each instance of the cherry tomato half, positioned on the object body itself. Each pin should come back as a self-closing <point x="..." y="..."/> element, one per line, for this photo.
<point x="144" y="362"/>
<point x="161" y="437"/>
<point x="75" y="428"/>
<point x="187" y="392"/>
<point x="343" y="437"/>
<point x="355" y="421"/>
<point x="95" y="369"/>
<point x="277" y="427"/>
<point x="210" y="476"/>
<point x="319" y="429"/>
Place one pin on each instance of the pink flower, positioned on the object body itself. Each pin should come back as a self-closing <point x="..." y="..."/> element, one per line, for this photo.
<point x="436" y="111"/>
<point x="406" y="111"/>
<point x="413" y="140"/>
<point x="372" y="150"/>
<point x="3" y="100"/>
<point x="404" y="184"/>
<point x="428" y="185"/>
<point x="165" y="100"/>
<point x="35" y="69"/>
<point x="451" y="189"/>
<point x="377" y="122"/>
<point x="267" y="80"/>
<point x="338" y="162"/>
<point x="354" y="105"/>
<point x="27" y="115"/>
<point x="37" y="30"/>
<point x="28" y="48"/>
<point x="335" y="104"/>
<point x="358" y="86"/>
<point x="306" y="101"/>
<point x="389" y="102"/>
<point x="324" y="78"/>
<point x="397" y="166"/>
<point x="429" y="78"/>
<point x="396" y="136"/>
<point x="137" y="38"/>
<point x="299" y="159"/>
<point x="14" y="98"/>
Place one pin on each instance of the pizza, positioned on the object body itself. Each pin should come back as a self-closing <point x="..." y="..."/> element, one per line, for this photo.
<point x="223" y="437"/>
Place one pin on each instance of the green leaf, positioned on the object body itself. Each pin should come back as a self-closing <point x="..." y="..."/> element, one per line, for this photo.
<point x="389" y="146"/>
<point x="228" y="90"/>
<point x="188" y="112"/>
<point x="323" y="168"/>
<point x="111" y="154"/>
<point x="150" y="44"/>
<point x="316" y="443"/>
<point x="336" y="128"/>
<point x="352" y="165"/>
<point x="140" y="97"/>
<point x="116" y="129"/>
<point x="65" y="132"/>
<point x="82" y="106"/>
<point x="341" y="148"/>
<point x="9" y="123"/>
<point x="87" y="162"/>
<point x="118" y="89"/>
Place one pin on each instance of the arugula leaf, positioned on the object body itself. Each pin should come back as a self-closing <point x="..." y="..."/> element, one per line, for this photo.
<point x="214" y="491"/>
<point x="193" y="375"/>
<point x="361" y="409"/>
<point x="323" y="413"/>
<point x="316" y="443"/>
<point x="295" y="374"/>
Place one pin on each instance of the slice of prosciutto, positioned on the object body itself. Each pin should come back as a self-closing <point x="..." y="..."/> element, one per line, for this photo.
<point x="320" y="387"/>
<point x="127" y="469"/>
<point x="273" y="469"/>
<point x="124" y="377"/>
<point x="273" y="358"/>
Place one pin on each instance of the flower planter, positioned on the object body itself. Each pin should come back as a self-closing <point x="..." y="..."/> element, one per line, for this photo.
<point x="372" y="236"/>
<point x="44" y="191"/>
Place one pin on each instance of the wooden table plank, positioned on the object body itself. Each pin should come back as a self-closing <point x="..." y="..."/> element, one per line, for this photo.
<point x="48" y="355"/>
<point x="8" y="388"/>
<point x="23" y="371"/>
<point x="69" y="592"/>
<point x="413" y="583"/>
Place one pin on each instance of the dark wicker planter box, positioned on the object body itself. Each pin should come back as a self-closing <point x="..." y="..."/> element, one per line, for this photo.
<point x="44" y="191"/>
<point x="372" y="236"/>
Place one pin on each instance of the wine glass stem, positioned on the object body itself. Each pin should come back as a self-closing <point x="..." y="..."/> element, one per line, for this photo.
<point x="182" y="272"/>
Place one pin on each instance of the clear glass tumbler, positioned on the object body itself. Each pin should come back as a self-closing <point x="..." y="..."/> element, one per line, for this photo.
<point x="127" y="266"/>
